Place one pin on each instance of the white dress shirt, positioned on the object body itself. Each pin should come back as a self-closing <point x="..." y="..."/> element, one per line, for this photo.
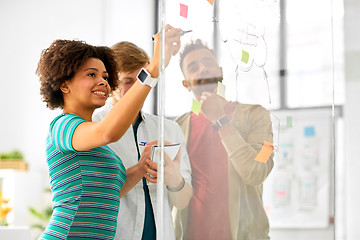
<point x="130" y="222"/>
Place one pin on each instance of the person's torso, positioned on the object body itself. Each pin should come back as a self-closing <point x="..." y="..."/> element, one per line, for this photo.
<point x="208" y="216"/>
<point x="132" y="206"/>
<point x="88" y="182"/>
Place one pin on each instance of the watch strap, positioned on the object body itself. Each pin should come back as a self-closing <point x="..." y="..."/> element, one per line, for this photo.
<point x="145" y="78"/>
<point x="221" y="122"/>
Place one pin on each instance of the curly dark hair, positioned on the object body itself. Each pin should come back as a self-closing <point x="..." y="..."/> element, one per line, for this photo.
<point x="191" y="46"/>
<point x="59" y="62"/>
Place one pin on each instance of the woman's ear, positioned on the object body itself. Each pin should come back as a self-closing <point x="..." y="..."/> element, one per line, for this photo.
<point x="186" y="85"/>
<point x="64" y="87"/>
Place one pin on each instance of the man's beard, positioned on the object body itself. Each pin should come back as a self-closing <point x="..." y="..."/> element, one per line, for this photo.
<point x="206" y="85"/>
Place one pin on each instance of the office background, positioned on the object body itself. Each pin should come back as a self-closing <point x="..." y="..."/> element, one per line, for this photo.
<point x="27" y="27"/>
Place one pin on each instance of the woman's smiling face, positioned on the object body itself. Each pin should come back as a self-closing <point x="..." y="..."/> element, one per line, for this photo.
<point x="89" y="87"/>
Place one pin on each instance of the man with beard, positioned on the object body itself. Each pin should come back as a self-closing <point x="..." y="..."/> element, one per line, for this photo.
<point x="223" y="142"/>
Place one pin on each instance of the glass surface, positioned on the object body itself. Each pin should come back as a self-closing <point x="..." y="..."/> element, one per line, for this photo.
<point x="269" y="174"/>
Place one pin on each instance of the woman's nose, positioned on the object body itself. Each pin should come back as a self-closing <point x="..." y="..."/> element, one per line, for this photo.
<point x="103" y="82"/>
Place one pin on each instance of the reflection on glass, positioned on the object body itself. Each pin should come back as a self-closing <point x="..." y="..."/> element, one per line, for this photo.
<point x="226" y="143"/>
<point x="234" y="85"/>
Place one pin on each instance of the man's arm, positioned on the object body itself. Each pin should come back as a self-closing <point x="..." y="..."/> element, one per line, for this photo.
<point x="255" y="123"/>
<point x="181" y="198"/>
<point x="177" y="177"/>
<point x="243" y="137"/>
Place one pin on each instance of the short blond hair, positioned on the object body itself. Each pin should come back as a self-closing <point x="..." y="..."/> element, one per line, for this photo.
<point x="129" y="56"/>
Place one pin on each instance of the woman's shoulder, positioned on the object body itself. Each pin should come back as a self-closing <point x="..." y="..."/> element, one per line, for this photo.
<point x="66" y="119"/>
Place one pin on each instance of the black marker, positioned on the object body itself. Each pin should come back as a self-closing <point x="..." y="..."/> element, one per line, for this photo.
<point x="181" y="33"/>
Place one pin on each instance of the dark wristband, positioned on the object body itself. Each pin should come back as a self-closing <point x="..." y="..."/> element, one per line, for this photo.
<point x="222" y="121"/>
<point x="177" y="189"/>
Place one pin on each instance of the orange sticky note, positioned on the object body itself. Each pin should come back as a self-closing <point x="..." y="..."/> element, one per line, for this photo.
<point x="211" y="2"/>
<point x="183" y="10"/>
<point x="265" y="152"/>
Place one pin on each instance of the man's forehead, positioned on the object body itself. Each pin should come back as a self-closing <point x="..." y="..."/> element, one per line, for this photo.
<point x="198" y="55"/>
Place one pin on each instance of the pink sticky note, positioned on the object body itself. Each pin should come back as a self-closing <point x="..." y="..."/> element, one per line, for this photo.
<point x="183" y="10"/>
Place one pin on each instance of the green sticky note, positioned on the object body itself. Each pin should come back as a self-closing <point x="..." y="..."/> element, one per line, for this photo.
<point x="289" y="121"/>
<point x="221" y="90"/>
<point x="245" y="56"/>
<point x="196" y="106"/>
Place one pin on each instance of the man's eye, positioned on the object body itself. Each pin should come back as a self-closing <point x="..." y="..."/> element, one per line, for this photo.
<point x="126" y="82"/>
<point x="193" y="68"/>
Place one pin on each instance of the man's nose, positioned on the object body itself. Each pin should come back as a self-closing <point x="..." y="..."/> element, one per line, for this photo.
<point x="202" y="68"/>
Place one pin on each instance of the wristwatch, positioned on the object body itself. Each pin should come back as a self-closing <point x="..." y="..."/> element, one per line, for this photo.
<point x="145" y="78"/>
<point x="222" y="121"/>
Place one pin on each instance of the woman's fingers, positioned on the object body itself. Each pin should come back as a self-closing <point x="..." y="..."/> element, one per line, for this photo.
<point x="150" y="179"/>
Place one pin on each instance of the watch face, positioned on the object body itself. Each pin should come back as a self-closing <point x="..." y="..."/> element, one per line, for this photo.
<point x="142" y="75"/>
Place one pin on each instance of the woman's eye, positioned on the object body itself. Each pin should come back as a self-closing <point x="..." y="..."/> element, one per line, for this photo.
<point x="91" y="74"/>
<point x="106" y="78"/>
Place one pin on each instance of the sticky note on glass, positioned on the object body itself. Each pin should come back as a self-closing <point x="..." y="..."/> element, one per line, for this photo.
<point x="245" y="56"/>
<point x="265" y="152"/>
<point x="221" y="90"/>
<point x="288" y="121"/>
<point x="196" y="106"/>
<point x="211" y="2"/>
<point x="309" y="131"/>
<point x="183" y="10"/>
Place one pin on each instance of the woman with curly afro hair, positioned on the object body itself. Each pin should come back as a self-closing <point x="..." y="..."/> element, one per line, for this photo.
<point x="85" y="175"/>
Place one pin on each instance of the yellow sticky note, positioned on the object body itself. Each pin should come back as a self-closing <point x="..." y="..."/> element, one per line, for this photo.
<point x="196" y="106"/>
<point x="265" y="152"/>
<point x="221" y="90"/>
<point x="211" y="2"/>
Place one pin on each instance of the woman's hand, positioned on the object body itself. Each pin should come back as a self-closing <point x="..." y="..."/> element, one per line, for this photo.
<point x="172" y="174"/>
<point x="135" y="173"/>
<point x="142" y="164"/>
<point x="150" y="167"/>
<point x="172" y="46"/>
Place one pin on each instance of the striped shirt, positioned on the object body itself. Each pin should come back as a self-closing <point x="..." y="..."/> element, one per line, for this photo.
<point x="85" y="185"/>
